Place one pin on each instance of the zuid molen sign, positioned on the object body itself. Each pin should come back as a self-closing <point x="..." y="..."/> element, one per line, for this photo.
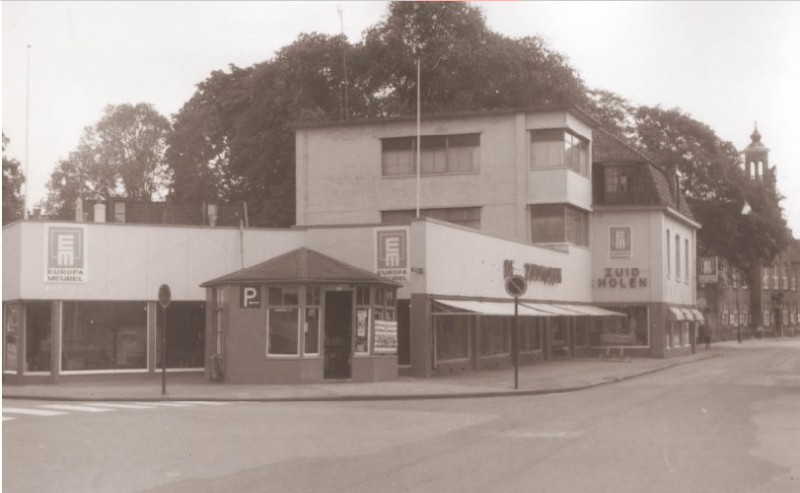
<point x="65" y="260"/>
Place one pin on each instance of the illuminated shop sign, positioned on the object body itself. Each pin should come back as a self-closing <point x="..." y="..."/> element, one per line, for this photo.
<point x="626" y="277"/>
<point x="66" y="254"/>
<point x="534" y="272"/>
<point x="392" y="258"/>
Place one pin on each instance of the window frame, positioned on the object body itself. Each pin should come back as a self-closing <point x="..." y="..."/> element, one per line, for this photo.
<point x="565" y="140"/>
<point x="579" y="236"/>
<point x="429" y="145"/>
<point x="297" y="307"/>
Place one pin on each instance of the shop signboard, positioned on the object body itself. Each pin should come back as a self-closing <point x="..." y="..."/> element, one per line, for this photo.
<point x="386" y="336"/>
<point x="709" y="270"/>
<point x="620" y="237"/>
<point x="65" y="260"/>
<point x="392" y="256"/>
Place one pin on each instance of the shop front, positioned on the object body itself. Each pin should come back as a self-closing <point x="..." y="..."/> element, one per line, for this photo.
<point x="301" y="317"/>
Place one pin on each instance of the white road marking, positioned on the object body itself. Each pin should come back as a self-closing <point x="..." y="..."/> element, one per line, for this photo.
<point x="207" y="403"/>
<point x="69" y="407"/>
<point x="31" y="412"/>
<point x="7" y="418"/>
<point x="165" y="404"/>
<point x="116" y="405"/>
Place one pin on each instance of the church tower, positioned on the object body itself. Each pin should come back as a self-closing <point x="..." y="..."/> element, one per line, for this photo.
<point x="756" y="158"/>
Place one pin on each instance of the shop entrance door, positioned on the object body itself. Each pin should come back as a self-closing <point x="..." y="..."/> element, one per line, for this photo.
<point x="338" y="333"/>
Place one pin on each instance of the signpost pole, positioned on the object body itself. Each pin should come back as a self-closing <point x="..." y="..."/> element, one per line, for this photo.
<point x="516" y="343"/>
<point x="164" y="297"/>
<point x="163" y="350"/>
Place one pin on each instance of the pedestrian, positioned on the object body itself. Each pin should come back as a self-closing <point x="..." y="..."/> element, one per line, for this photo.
<point x="708" y="336"/>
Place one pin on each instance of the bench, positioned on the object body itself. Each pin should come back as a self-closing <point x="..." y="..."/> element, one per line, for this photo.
<point x="615" y="353"/>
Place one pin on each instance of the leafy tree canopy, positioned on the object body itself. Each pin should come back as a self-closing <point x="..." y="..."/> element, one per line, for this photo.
<point x="13" y="202"/>
<point x="122" y="155"/>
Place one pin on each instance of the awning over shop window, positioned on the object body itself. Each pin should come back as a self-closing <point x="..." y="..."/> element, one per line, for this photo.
<point x="591" y="311"/>
<point x="688" y="313"/>
<point x="527" y="309"/>
<point x="493" y="308"/>
<point x="677" y="314"/>
<point x="698" y="315"/>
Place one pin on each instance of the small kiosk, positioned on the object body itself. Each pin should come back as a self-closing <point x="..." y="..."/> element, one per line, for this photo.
<point x="301" y="317"/>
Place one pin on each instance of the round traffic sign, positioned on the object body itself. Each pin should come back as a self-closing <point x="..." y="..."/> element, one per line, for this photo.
<point x="516" y="286"/>
<point x="164" y="296"/>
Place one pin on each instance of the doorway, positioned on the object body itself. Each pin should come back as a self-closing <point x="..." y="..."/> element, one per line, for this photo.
<point x="338" y="333"/>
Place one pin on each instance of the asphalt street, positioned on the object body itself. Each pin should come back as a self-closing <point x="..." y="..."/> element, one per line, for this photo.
<point x="725" y="424"/>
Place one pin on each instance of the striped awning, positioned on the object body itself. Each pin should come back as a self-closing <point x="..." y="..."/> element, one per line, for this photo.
<point x="528" y="309"/>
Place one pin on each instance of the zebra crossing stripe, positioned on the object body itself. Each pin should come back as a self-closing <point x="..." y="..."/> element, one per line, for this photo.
<point x="69" y="407"/>
<point x="206" y="403"/>
<point x="7" y="418"/>
<point x="116" y="405"/>
<point x="31" y="412"/>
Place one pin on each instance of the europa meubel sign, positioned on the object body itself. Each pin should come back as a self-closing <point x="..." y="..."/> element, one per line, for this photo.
<point x="65" y="260"/>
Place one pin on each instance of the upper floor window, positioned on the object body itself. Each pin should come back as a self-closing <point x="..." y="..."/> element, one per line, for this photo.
<point x="469" y="217"/>
<point x="559" y="223"/>
<point x="439" y="154"/>
<point x="686" y="259"/>
<point x="558" y="148"/>
<point x="677" y="257"/>
<point x="669" y="256"/>
<point x="617" y="181"/>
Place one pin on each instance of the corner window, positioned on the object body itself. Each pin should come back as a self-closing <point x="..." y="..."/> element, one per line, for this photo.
<point x="439" y="154"/>
<point x="559" y="223"/>
<point x="558" y="148"/>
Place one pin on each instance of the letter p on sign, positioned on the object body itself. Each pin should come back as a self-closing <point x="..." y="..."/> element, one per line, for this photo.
<point x="250" y="297"/>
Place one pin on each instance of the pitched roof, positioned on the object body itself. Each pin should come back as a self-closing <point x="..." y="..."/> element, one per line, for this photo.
<point x="650" y="184"/>
<point x="301" y="266"/>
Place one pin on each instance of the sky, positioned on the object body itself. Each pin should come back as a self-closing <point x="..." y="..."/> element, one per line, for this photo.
<point x="727" y="64"/>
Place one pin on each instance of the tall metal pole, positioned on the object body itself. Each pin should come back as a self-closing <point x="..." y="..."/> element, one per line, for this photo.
<point x="163" y="350"/>
<point x="419" y="132"/>
<point x="516" y="343"/>
<point x="27" y="126"/>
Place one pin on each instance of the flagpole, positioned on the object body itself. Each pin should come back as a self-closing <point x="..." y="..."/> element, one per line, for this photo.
<point x="27" y="125"/>
<point x="419" y="139"/>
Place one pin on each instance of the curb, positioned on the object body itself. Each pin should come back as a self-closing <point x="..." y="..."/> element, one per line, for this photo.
<point x="366" y="398"/>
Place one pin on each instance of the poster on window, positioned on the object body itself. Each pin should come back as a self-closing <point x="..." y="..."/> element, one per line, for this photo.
<point x="65" y="260"/>
<point x="620" y="241"/>
<point x="386" y="336"/>
<point x="392" y="259"/>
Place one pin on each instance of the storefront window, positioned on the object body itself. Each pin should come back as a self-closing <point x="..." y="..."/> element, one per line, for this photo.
<point x="38" y="339"/>
<point x="312" y="321"/>
<point x="452" y="336"/>
<point x="283" y="321"/>
<point x="363" y="319"/>
<point x="495" y="335"/>
<point x="630" y="330"/>
<point x="530" y="333"/>
<point x="185" y="334"/>
<point x="11" y="332"/>
<point x="581" y="331"/>
<point x="104" y="335"/>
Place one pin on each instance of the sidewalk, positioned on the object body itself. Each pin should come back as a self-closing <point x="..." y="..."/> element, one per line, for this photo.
<point x="543" y="378"/>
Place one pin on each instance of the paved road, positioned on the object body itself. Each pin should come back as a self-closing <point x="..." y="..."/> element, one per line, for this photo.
<point x="727" y="424"/>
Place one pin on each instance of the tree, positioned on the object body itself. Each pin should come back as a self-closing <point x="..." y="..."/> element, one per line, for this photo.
<point x="233" y="140"/>
<point x="710" y="174"/>
<point x="13" y="202"/>
<point x="120" y="156"/>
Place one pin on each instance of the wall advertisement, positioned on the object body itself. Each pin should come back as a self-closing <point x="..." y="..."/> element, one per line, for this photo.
<point x="385" y="337"/>
<point x="620" y="242"/>
<point x="392" y="253"/>
<point x="66" y="254"/>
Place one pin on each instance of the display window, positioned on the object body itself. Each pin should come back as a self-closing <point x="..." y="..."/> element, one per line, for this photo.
<point x="38" y="336"/>
<point x="452" y="336"/>
<point x="531" y="333"/>
<point x="283" y="322"/>
<point x="495" y="335"/>
<point x="10" y="335"/>
<point x="104" y="335"/>
<point x="631" y="330"/>
<point x="185" y="334"/>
